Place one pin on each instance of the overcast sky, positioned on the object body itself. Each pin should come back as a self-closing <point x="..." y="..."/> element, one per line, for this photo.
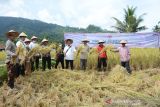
<point x="80" y="13"/>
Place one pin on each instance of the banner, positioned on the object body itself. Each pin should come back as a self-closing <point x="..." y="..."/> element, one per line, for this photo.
<point x="139" y="40"/>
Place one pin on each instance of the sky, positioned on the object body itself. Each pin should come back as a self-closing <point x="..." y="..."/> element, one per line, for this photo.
<point x="81" y="13"/>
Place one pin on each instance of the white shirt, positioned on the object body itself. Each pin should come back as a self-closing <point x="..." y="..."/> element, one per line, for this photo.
<point x="70" y="53"/>
<point x="33" y="45"/>
<point x="20" y="43"/>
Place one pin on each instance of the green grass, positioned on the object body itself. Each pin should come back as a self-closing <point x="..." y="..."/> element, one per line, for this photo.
<point x="3" y="74"/>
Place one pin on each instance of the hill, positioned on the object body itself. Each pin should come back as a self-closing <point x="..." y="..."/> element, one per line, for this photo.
<point x="41" y="29"/>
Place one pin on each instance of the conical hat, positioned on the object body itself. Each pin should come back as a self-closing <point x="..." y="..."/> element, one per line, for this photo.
<point x="44" y="40"/>
<point x="27" y="40"/>
<point x="22" y="34"/>
<point x="33" y="37"/>
<point x="12" y="32"/>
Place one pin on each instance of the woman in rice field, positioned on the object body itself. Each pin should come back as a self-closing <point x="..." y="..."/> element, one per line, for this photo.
<point x="35" y="59"/>
<point x="69" y="51"/>
<point x="102" y="56"/>
<point x="46" y="58"/>
<point x="20" y="44"/>
<point x="124" y="53"/>
<point x="11" y="53"/>
<point x="84" y="54"/>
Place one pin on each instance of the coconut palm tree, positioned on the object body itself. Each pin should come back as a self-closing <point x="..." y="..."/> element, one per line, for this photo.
<point x="131" y="22"/>
<point x="157" y="27"/>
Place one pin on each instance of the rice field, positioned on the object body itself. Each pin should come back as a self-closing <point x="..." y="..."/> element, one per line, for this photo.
<point x="65" y="88"/>
<point x="113" y="88"/>
<point x="141" y="58"/>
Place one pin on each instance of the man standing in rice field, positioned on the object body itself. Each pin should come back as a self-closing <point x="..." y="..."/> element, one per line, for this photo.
<point x="102" y="56"/>
<point x="124" y="53"/>
<point x="27" y="60"/>
<point x="60" y="56"/>
<point x="69" y="51"/>
<point x="11" y="54"/>
<point x="27" y="42"/>
<point x="35" y="58"/>
<point x="20" y="67"/>
<point x="84" y="54"/>
<point x="46" y="58"/>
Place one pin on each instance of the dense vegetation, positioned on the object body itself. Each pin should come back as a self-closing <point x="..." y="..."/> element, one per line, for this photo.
<point x="34" y="27"/>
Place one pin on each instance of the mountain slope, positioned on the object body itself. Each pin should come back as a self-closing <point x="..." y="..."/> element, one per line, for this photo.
<point x="41" y="29"/>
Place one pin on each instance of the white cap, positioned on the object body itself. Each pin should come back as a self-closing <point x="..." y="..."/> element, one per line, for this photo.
<point x="123" y="41"/>
<point x="85" y="40"/>
<point x="101" y="41"/>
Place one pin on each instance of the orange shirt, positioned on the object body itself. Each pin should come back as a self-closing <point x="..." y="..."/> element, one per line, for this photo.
<point x="103" y="54"/>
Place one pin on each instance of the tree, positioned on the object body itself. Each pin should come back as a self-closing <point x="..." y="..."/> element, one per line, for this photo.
<point x="93" y="29"/>
<point x="131" y="22"/>
<point x="157" y="27"/>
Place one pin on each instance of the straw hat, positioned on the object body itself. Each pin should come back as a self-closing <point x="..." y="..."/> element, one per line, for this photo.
<point x="101" y="41"/>
<point x="123" y="41"/>
<point x="22" y="34"/>
<point x="85" y="40"/>
<point x="12" y="33"/>
<point x="33" y="37"/>
<point x="68" y="40"/>
<point x="44" y="40"/>
<point x="27" y="40"/>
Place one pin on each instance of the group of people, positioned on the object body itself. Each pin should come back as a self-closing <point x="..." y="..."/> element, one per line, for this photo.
<point x="123" y="50"/>
<point x="65" y="55"/>
<point x="16" y="69"/>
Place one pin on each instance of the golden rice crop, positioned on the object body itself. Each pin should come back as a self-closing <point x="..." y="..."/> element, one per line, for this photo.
<point x="141" y="58"/>
<point x="68" y="88"/>
<point x="2" y="55"/>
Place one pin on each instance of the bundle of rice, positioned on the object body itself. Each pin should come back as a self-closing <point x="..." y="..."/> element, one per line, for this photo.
<point x="118" y="74"/>
<point x="33" y="51"/>
<point x="80" y="49"/>
<point x="21" y="52"/>
<point x="93" y="50"/>
<point x="106" y="48"/>
<point x="45" y="50"/>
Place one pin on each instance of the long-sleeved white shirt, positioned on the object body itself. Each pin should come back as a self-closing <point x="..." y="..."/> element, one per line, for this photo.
<point x="33" y="45"/>
<point x="70" y="53"/>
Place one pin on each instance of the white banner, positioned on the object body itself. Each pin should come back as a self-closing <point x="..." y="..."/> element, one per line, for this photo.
<point x="142" y="40"/>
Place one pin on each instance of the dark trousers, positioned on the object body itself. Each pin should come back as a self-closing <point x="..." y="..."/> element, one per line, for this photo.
<point x="126" y="65"/>
<point x="60" y="61"/>
<point x="69" y="62"/>
<point x="35" y="63"/>
<point x="46" y="60"/>
<point x="11" y="68"/>
<point x="20" y="70"/>
<point x="83" y="64"/>
<point x="102" y="61"/>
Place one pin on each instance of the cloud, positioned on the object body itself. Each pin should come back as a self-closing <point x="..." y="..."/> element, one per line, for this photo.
<point x="80" y="13"/>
